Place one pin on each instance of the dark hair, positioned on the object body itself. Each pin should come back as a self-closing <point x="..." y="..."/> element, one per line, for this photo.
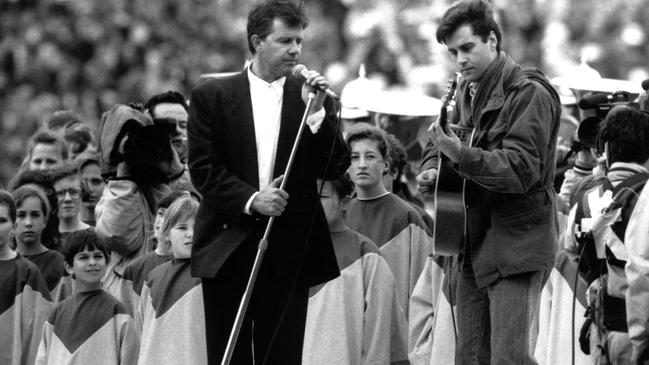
<point x="79" y="133"/>
<point x="86" y="158"/>
<point x="627" y="132"/>
<point x="78" y="241"/>
<point x="46" y="136"/>
<point x="476" y="13"/>
<point x="62" y="118"/>
<point x="260" y="18"/>
<point x="172" y="97"/>
<point x="8" y="201"/>
<point x="64" y="171"/>
<point x="365" y="131"/>
<point x="342" y="185"/>
<point x="51" y="237"/>
<point x="398" y="156"/>
<point x="32" y="190"/>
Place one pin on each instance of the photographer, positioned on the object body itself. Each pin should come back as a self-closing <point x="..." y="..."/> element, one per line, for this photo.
<point x="598" y="223"/>
<point x="139" y="161"/>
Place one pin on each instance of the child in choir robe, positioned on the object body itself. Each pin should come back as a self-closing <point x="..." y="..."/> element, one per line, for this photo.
<point x="91" y="326"/>
<point x="350" y="319"/>
<point x="24" y="297"/>
<point x="137" y="271"/>
<point x="32" y="210"/>
<point x="394" y="225"/>
<point x="171" y="317"/>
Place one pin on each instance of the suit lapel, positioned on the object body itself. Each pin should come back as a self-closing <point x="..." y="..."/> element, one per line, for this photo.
<point x="242" y="130"/>
<point x="292" y="107"/>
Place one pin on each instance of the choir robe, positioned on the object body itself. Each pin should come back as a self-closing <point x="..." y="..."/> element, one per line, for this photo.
<point x="401" y="234"/>
<point x="89" y="328"/>
<point x="24" y="307"/>
<point x="50" y="263"/>
<point x="134" y="276"/>
<point x="431" y="336"/>
<point x="350" y="318"/>
<point x="171" y="318"/>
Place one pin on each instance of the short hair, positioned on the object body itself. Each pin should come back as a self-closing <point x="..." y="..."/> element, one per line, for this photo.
<point x="86" y="158"/>
<point x="627" y="132"/>
<point x="476" y="13"/>
<point x="168" y="199"/>
<point x="260" y="18"/>
<point x="46" y="136"/>
<point x="181" y="209"/>
<point x="64" y="171"/>
<point x="62" y="118"/>
<point x="32" y="190"/>
<point x="362" y="131"/>
<point x="78" y="241"/>
<point x="79" y="133"/>
<point x="8" y="201"/>
<point x="172" y="97"/>
<point x="398" y="155"/>
<point x="342" y="185"/>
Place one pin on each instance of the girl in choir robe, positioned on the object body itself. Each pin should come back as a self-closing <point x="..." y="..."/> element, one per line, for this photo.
<point x="350" y="319"/>
<point x="33" y="210"/>
<point x="91" y="326"/>
<point x="171" y="318"/>
<point x="24" y="297"/>
<point x="136" y="272"/>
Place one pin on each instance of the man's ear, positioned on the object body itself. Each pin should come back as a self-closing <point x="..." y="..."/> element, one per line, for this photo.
<point x="255" y="40"/>
<point x="492" y="41"/>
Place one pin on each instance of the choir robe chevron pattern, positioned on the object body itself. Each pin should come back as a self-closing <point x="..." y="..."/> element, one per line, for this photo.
<point x="89" y="328"/>
<point x="24" y="307"/>
<point x="349" y="319"/>
<point x="50" y="263"/>
<point x="171" y="316"/>
<point x="134" y="276"/>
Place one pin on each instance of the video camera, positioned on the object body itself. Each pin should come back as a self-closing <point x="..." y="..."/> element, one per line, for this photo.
<point x="602" y="103"/>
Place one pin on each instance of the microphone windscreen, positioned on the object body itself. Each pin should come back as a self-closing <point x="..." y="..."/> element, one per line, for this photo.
<point x="645" y="85"/>
<point x="299" y="70"/>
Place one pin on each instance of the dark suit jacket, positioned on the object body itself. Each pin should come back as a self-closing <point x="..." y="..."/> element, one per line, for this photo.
<point x="223" y="168"/>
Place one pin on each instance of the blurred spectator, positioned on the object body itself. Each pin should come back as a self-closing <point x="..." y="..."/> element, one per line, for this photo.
<point x="79" y="137"/>
<point x="92" y="184"/>
<point x="46" y="151"/>
<point x="67" y="186"/>
<point x="170" y="108"/>
<point x="60" y="119"/>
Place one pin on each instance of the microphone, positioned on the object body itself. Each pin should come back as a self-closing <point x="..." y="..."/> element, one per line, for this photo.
<point x="645" y="85"/>
<point x="592" y="101"/>
<point x="301" y="72"/>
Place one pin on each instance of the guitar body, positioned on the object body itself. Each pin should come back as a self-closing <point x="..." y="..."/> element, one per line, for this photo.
<point x="449" y="203"/>
<point x="449" y="187"/>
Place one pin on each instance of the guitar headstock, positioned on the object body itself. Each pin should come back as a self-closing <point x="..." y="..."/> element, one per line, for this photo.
<point x="448" y="99"/>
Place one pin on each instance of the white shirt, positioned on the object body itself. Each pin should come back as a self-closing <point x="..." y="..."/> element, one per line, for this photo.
<point x="266" y="101"/>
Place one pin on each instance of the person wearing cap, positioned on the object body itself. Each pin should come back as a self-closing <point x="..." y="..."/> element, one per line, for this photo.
<point x="241" y="129"/>
<point x="508" y="167"/>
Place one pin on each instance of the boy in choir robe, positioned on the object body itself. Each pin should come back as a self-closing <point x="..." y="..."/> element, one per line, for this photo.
<point x="90" y="327"/>
<point x="350" y="319"/>
<point x="32" y="212"/>
<point x="24" y="297"/>
<point x="171" y="318"/>
<point x="394" y="225"/>
<point x="136" y="272"/>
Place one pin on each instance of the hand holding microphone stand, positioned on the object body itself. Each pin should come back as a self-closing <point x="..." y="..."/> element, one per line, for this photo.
<point x="263" y="242"/>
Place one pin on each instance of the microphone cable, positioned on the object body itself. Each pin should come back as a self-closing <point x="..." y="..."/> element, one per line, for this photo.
<point x="308" y="236"/>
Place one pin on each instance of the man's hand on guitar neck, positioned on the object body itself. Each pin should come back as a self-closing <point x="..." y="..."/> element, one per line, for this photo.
<point x="426" y="181"/>
<point x="446" y="141"/>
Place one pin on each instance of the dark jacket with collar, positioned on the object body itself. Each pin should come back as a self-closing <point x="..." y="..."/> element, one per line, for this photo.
<point x="223" y="167"/>
<point x="511" y="224"/>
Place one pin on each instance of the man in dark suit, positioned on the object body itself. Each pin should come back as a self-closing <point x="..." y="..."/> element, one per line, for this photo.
<point x="241" y="130"/>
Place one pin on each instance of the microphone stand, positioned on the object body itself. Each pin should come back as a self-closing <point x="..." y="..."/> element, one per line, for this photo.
<point x="263" y="242"/>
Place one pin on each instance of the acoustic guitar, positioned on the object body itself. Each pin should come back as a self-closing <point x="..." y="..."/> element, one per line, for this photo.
<point x="449" y="186"/>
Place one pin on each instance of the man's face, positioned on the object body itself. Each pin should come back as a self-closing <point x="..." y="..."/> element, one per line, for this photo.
<point x="45" y="157"/>
<point x="68" y="192"/>
<point x="470" y="53"/>
<point x="367" y="164"/>
<point x="278" y="53"/>
<point x="93" y="183"/>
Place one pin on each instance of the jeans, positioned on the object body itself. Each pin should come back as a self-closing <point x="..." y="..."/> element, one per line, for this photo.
<point x="508" y="309"/>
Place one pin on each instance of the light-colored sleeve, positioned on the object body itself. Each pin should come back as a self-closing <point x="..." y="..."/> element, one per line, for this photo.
<point x="314" y="121"/>
<point x="43" y="348"/>
<point x="384" y="321"/>
<point x="636" y="241"/>
<point x="129" y="344"/>
<point x="120" y="217"/>
<point x="570" y="178"/>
